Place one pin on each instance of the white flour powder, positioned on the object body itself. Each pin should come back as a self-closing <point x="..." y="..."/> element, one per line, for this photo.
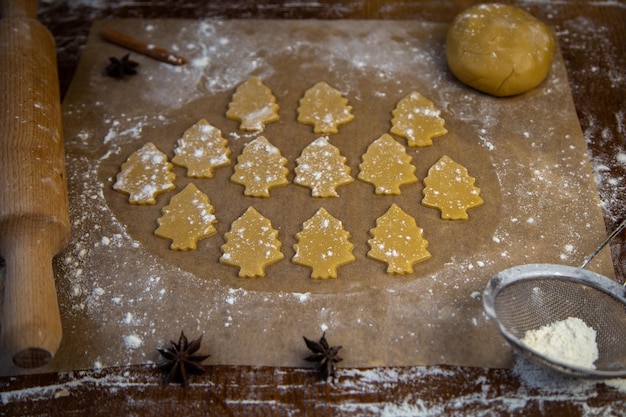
<point x="568" y="341"/>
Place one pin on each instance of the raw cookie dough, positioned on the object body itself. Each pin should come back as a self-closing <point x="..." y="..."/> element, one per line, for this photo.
<point x="416" y="119"/>
<point x="201" y="149"/>
<point x="186" y="219"/>
<point x="386" y="166"/>
<point x="145" y="174"/>
<point x="251" y="244"/>
<point x="322" y="168"/>
<point x="260" y="167"/>
<point x="397" y="241"/>
<point x="449" y="188"/>
<point x="324" y="108"/>
<point x="323" y="245"/>
<point x="499" y="49"/>
<point x="253" y="105"/>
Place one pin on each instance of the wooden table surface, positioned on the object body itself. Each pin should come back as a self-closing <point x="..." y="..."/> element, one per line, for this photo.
<point x="592" y="36"/>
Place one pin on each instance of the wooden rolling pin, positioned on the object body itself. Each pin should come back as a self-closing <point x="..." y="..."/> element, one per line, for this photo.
<point x="34" y="214"/>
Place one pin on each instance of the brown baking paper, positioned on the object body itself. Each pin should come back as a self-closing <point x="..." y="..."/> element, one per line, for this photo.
<point x="123" y="292"/>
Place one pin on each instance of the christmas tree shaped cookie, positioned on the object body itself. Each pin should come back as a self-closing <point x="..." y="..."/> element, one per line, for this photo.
<point x="260" y="167"/>
<point x="416" y="119"/>
<point x="186" y="219"/>
<point x="386" y="166"/>
<point x="251" y="245"/>
<point x="322" y="168"/>
<point x="324" y="108"/>
<point x="323" y="245"/>
<point x="145" y="174"/>
<point x="397" y="241"/>
<point x="201" y="149"/>
<point x="449" y="188"/>
<point x="253" y="105"/>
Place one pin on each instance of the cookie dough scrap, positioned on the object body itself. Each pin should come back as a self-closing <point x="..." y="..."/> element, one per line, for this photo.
<point x="386" y="166"/>
<point x="145" y="174"/>
<point x="449" y="188"/>
<point x="201" y="150"/>
<point x="323" y="245"/>
<point x="254" y="105"/>
<point x="260" y="167"/>
<point x="416" y="119"/>
<point x="397" y="241"/>
<point x="322" y="168"/>
<point x="186" y="219"/>
<point x="324" y="108"/>
<point x="251" y="245"/>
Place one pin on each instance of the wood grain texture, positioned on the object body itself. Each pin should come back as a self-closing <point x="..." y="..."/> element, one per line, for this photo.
<point x="34" y="213"/>
<point x="592" y="37"/>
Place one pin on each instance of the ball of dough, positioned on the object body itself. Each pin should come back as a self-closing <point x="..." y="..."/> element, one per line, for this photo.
<point x="499" y="49"/>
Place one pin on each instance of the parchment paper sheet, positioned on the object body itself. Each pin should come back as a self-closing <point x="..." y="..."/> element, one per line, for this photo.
<point x="123" y="293"/>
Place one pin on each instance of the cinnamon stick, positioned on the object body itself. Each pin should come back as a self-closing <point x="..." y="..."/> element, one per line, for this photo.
<point x="142" y="47"/>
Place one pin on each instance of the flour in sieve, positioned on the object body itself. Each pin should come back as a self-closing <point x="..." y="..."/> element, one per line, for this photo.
<point x="568" y="341"/>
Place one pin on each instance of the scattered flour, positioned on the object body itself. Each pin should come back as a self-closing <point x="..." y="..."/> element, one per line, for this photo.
<point x="568" y="341"/>
<point x="415" y="397"/>
<point x="133" y="341"/>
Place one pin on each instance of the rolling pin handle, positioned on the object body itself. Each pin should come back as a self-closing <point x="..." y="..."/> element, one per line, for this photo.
<point x="31" y="322"/>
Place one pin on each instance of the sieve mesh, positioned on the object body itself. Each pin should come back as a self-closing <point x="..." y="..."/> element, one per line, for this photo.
<point x="531" y="296"/>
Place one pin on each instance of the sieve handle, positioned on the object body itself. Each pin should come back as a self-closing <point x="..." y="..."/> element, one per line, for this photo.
<point x="603" y="244"/>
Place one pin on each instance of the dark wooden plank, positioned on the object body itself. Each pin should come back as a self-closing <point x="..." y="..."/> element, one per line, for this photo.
<point x="244" y="390"/>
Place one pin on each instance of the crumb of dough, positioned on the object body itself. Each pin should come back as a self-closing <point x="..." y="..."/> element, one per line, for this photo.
<point x="499" y="49"/>
<point x="145" y="174"/>
<point x="260" y="167"/>
<point x="324" y="108"/>
<point x="449" y="188"/>
<point x="397" y="241"/>
<point x="386" y="166"/>
<point x="201" y="150"/>
<point x="251" y="244"/>
<point x="322" y="168"/>
<point x="323" y="245"/>
<point x="186" y="219"/>
<point x="254" y="105"/>
<point x="416" y="119"/>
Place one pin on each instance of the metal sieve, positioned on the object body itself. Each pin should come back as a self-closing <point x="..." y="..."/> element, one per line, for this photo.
<point x="527" y="297"/>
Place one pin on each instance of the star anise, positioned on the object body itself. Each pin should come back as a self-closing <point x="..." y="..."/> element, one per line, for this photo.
<point x="117" y="68"/>
<point x="325" y="356"/>
<point x="180" y="360"/>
